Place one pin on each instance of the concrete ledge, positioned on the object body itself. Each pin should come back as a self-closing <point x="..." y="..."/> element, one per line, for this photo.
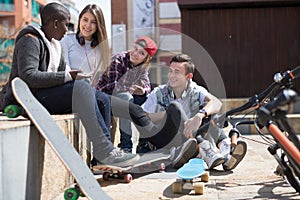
<point x="29" y="168"/>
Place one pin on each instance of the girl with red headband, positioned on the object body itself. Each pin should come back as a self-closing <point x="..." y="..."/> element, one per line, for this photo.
<point x="128" y="79"/>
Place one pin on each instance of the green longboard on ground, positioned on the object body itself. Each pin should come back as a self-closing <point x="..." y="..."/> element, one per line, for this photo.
<point x="48" y="128"/>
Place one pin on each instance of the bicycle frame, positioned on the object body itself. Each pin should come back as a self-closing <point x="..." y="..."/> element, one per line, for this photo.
<point x="265" y="105"/>
<point x="286" y="140"/>
<point x="286" y="144"/>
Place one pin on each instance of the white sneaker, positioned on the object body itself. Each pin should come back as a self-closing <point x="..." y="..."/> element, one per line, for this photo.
<point x="225" y="147"/>
<point x="209" y="155"/>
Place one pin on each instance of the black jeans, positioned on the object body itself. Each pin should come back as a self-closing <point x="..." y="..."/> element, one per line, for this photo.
<point x="160" y="135"/>
<point x="169" y="132"/>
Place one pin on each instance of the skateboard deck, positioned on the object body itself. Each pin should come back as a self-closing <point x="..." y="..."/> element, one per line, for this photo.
<point x="148" y="162"/>
<point x="191" y="176"/>
<point x="47" y="127"/>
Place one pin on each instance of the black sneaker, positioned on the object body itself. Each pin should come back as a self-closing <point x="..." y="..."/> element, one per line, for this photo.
<point x="120" y="159"/>
<point x="145" y="147"/>
<point x="181" y="154"/>
<point x="95" y="162"/>
<point x="127" y="150"/>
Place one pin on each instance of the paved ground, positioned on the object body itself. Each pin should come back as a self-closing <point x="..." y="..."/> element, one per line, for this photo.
<point x="252" y="179"/>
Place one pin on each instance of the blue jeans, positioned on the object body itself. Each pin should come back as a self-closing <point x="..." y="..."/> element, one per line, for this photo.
<point x="125" y="124"/>
<point x="103" y="102"/>
<point x="81" y="98"/>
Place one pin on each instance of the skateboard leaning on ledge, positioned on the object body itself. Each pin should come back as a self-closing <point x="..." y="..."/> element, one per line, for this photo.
<point x="56" y="139"/>
<point x="191" y="177"/>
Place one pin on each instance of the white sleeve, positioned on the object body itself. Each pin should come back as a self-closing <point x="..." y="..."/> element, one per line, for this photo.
<point x="64" y="42"/>
<point x="68" y="76"/>
<point x="150" y="104"/>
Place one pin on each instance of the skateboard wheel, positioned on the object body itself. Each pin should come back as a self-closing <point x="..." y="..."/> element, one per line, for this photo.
<point x="72" y="193"/>
<point x="199" y="188"/>
<point x="162" y="167"/>
<point x="12" y="111"/>
<point x="128" y="178"/>
<point x="205" y="177"/>
<point x="105" y="176"/>
<point x="177" y="187"/>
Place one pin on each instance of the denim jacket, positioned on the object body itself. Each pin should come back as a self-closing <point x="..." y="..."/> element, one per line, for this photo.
<point x="194" y="93"/>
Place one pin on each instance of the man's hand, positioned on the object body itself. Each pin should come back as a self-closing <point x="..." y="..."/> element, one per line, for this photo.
<point x="78" y="75"/>
<point x="191" y="125"/>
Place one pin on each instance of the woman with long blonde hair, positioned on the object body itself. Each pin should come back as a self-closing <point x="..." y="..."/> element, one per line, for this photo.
<point x="87" y="50"/>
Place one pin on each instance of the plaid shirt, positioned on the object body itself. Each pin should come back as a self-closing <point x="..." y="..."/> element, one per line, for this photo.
<point x="122" y="75"/>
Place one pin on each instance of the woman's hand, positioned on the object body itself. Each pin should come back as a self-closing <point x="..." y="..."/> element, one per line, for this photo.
<point x="78" y="75"/>
<point x="136" y="89"/>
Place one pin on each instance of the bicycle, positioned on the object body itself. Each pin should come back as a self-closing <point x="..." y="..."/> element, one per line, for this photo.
<point x="268" y="109"/>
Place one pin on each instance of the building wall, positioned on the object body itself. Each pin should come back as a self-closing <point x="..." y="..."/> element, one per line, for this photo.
<point x="119" y="11"/>
<point x="249" y="41"/>
<point x="13" y="17"/>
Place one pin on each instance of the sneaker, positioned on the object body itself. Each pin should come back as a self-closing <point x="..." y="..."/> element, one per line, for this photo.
<point x="127" y="150"/>
<point x="181" y="154"/>
<point x="225" y="148"/>
<point x="120" y="159"/>
<point x="95" y="162"/>
<point x="209" y="155"/>
<point x="235" y="156"/>
<point x="145" y="147"/>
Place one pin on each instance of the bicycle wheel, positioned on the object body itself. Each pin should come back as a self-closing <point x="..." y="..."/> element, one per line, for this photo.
<point x="290" y="173"/>
<point x="289" y="158"/>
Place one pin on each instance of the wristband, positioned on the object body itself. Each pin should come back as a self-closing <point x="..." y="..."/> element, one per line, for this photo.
<point x="203" y="111"/>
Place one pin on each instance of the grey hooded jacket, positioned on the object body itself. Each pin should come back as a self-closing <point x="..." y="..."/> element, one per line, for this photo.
<point x="30" y="62"/>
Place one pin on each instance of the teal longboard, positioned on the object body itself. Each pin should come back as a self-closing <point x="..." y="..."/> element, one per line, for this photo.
<point x="191" y="176"/>
<point x="47" y="127"/>
<point x="148" y="162"/>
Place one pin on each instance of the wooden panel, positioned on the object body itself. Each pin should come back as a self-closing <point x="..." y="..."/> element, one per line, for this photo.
<point x="248" y="45"/>
<point x="119" y="14"/>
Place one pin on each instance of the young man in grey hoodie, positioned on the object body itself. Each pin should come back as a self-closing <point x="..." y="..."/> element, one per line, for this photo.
<point x="38" y="60"/>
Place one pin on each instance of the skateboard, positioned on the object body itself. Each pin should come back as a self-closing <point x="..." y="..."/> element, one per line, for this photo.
<point x="56" y="139"/>
<point x="191" y="176"/>
<point x="148" y="162"/>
